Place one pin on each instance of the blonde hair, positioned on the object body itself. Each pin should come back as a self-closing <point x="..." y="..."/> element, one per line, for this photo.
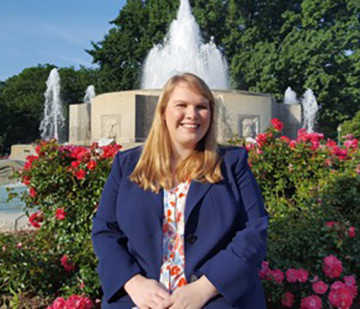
<point x="153" y="170"/>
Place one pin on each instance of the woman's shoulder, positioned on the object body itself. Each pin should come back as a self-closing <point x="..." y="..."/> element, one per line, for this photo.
<point x="232" y="153"/>
<point x="127" y="156"/>
<point x="130" y="151"/>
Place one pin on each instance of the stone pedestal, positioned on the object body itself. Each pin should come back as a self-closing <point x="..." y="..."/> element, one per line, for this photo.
<point x="80" y="124"/>
<point x="20" y="152"/>
<point x="126" y="116"/>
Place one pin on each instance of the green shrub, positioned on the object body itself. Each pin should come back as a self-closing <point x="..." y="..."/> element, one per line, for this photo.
<point x="307" y="184"/>
<point x="352" y="126"/>
<point x="65" y="184"/>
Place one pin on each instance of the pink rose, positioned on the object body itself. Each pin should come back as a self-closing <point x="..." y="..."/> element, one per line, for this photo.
<point x="91" y="165"/>
<point x="320" y="287"/>
<point x="291" y="275"/>
<point x="351" y="231"/>
<point x="78" y="302"/>
<point x="292" y="144"/>
<point x="332" y="267"/>
<point x="311" y="302"/>
<point x="290" y="166"/>
<point x="265" y="270"/>
<point x="315" y="279"/>
<point x="287" y="299"/>
<point x="351" y="143"/>
<point x="340" y="295"/>
<point x="68" y="266"/>
<point x="59" y="303"/>
<point x="32" y="192"/>
<point x="36" y="218"/>
<point x="277" y="275"/>
<point x="261" y="139"/>
<point x="75" y="164"/>
<point x="331" y="224"/>
<point x="79" y="153"/>
<point x="60" y="214"/>
<point x="302" y="275"/>
<point x="350" y="282"/>
<point x="285" y="138"/>
<point x="80" y="174"/>
<point x="277" y="124"/>
<point x="330" y="143"/>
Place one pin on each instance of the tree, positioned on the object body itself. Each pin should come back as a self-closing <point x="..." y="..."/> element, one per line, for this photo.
<point x="314" y="44"/>
<point x="121" y="53"/>
<point x="268" y="45"/>
<point x="74" y="83"/>
<point x="22" y="101"/>
<point x="352" y="126"/>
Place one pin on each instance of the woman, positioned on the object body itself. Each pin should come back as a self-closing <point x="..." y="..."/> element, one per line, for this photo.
<point x="181" y="223"/>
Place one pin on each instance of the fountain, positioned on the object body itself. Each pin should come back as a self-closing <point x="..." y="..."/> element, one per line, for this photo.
<point x="53" y="122"/>
<point x="126" y="116"/>
<point x="183" y="50"/>
<point x="310" y="108"/>
<point x="89" y="94"/>
<point x="290" y="97"/>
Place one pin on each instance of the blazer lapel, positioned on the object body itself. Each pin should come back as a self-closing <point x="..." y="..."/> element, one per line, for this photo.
<point x="196" y="191"/>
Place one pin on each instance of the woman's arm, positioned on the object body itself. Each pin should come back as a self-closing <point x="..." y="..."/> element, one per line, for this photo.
<point x="119" y="271"/>
<point x="116" y="265"/>
<point x="234" y="270"/>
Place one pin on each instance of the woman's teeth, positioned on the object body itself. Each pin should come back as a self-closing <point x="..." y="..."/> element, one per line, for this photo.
<point x="190" y="126"/>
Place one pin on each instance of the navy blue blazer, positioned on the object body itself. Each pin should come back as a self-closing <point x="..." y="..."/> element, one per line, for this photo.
<point x="225" y="233"/>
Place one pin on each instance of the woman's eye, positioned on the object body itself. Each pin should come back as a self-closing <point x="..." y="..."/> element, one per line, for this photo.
<point x="203" y="107"/>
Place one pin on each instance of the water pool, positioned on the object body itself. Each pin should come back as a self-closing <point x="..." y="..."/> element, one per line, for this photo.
<point x="15" y="205"/>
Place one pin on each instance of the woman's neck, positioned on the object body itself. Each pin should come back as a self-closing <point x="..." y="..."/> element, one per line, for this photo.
<point x="176" y="157"/>
<point x="179" y="155"/>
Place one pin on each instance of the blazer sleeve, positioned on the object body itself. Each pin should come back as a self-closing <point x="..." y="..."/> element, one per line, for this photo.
<point x="233" y="271"/>
<point x="116" y="266"/>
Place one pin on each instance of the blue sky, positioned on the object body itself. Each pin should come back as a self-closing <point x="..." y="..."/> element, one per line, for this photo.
<point x="36" y="32"/>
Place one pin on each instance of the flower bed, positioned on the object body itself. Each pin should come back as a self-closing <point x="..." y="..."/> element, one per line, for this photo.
<point x="311" y="189"/>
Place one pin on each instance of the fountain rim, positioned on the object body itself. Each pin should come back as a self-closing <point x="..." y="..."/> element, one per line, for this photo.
<point x="156" y="92"/>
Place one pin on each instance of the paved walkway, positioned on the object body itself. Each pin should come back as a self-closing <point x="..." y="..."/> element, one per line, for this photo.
<point x="14" y="221"/>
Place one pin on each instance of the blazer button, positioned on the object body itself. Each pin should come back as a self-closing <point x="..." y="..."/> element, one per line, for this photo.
<point x="193" y="278"/>
<point x="191" y="238"/>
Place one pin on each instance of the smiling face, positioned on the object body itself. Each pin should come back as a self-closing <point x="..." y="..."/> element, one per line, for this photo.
<point x="187" y="116"/>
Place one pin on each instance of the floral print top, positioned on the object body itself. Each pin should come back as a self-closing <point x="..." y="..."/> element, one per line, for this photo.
<point x="172" y="273"/>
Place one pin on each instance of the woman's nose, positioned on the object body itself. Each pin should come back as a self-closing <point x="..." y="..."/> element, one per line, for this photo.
<point x="191" y="113"/>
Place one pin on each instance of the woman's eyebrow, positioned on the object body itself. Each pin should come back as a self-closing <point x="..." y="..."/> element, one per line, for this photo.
<point x="200" y="102"/>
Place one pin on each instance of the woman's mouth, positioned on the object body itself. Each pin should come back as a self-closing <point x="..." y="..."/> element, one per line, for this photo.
<point x="190" y="126"/>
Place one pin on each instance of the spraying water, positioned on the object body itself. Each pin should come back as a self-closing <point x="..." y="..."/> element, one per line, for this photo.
<point x="89" y="94"/>
<point x="290" y="97"/>
<point x="310" y="108"/>
<point x="53" y="122"/>
<point x="183" y="51"/>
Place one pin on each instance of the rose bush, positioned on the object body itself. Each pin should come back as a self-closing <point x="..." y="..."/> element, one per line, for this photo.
<point x="311" y="189"/>
<point x="65" y="184"/>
